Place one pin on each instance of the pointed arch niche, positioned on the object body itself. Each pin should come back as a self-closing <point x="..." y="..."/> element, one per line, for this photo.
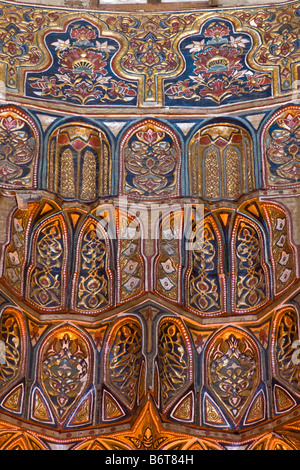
<point x="221" y="163"/>
<point x="79" y="162"/>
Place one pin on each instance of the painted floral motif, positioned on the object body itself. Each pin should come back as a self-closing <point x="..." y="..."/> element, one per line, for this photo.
<point x="151" y="158"/>
<point x="80" y="72"/>
<point x="221" y="162"/>
<point x="283" y="148"/>
<point x="279" y="29"/>
<point x="217" y="58"/>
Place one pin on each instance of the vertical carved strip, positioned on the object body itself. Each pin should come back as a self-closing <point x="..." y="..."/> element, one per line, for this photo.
<point x="233" y="172"/>
<point x="212" y="173"/>
<point x="89" y="173"/>
<point x="174" y="360"/>
<point x="124" y="359"/>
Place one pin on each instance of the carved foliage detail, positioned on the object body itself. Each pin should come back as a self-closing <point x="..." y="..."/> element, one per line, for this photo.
<point x="250" y="279"/>
<point x="206" y="292"/>
<point x="19" y="148"/>
<point x="285" y="362"/>
<point x="79" y="162"/>
<point x="233" y="370"/>
<point x="174" y="360"/>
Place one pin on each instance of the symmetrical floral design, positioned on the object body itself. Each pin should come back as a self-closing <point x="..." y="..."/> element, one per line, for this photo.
<point x="217" y="59"/>
<point x="233" y="370"/>
<point x="151" y="161"/>
<point x="92" y="286"/>
<point x="118" y="339"/>
<point x="80" y="69"/>
<point x="124" y="359"/>
<point x="65" y="370"/>
<point x="79" y="162"/>
<point x="19" y="148"/>
<point x="150" y="54"/>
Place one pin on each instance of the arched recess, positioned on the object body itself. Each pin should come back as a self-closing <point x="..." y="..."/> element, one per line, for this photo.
<point x="205" y="282"/>
<point x="19" y="148"/>
<point x="123" y="368"/>
<point x="232" y="365"/>
<point x="64" y="376"/>
<point x="169" y="261"/>
<point x="68" y="260"/>
<point x="284" y="259"/>
<point x="10" y="439"/>
<point x="16" y="251"/>
<point x="250" y="281"/>
<point x="13" y="360"/>
<point x="221" y="162"/>
<point x="285" y="351"/>
<point x="79" y="162"/>
<point x="174" y="361"/>
<point x="280" y="149"/>
<point x="92" y="278"/>
<point x="130" y="264"/>
<point x="150" y="161"/>
<point x="46" y="279"/>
